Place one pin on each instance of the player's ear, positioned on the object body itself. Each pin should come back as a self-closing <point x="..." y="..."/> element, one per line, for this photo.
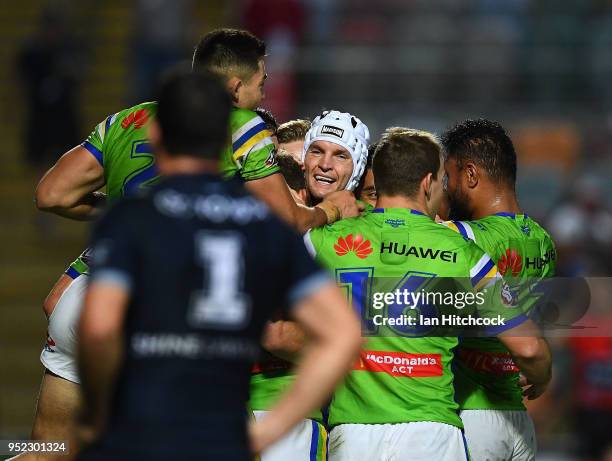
<point x="233" y="86"/>
<point x="426" y="184"/>
<point x="472" y="174"/>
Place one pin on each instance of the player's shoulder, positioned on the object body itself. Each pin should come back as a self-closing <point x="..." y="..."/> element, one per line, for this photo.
<point x="245" y="121"/>
<point x="459" y="233"/>
<point x="509" y="225"/>
<point x="135" y="116"/>
<point x="238" y="115"/>
<point x="128" y="119"/>
<point x="341" y="227"/>
<point x="530" y="225"/>
<point x="316" y="238"/>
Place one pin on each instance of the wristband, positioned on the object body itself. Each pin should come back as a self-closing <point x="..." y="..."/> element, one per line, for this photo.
<point x="331" y="211"/>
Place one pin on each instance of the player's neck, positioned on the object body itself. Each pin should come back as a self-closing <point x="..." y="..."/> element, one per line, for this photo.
<point x="498" y="201"/>
<point x="183" y="164"/>
<point x="398" y="201"/>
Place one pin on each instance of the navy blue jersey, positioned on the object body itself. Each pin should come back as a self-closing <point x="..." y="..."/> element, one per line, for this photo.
<point x="206" y="265"/>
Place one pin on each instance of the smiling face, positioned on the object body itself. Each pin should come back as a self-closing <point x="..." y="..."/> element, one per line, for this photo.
<point x="328" y="168"/>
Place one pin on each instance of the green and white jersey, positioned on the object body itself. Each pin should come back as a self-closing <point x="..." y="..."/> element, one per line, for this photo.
<point x="251" y="153"/>
<point x="121" y="146"/>
<point x="400" y="376"/>
<point x="485" y="374"/>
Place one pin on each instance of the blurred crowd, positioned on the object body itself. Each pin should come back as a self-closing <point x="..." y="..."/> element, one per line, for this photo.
<point x="542" y="67"/>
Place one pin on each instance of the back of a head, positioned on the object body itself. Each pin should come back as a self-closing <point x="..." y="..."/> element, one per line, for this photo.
<point x="291" y="170"/>
<point x="403" y="157"/>
<point x="485" y="143"/>
<point x="228" y="53"/>
<point x="293" y="130"/>
<point x="193" y="115"/>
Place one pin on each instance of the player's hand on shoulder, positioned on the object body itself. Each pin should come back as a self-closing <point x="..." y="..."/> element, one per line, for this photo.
<point x="345" y="202"/>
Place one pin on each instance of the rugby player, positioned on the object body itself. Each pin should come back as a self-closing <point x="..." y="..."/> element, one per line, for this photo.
<point x="168" y="331"/>
<point x="118" y="155"/>
<point x="384" y="412"/>
<point x="481" y="168"/>
<point x="335" y="155"/>
<point x="291" y="137"/>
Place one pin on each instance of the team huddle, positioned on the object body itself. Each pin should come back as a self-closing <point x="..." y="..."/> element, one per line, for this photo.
<point x="252" y="347"/>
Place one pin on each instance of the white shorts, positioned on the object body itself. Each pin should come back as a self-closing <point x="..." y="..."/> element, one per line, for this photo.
<point x="496" y="435"/>
<point x="307" y="441"/>
<point x="59" y="354"/>
<point x="420" y="441"/>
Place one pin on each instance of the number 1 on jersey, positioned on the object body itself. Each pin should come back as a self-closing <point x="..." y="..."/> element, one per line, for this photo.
<point x="221" y="303"/>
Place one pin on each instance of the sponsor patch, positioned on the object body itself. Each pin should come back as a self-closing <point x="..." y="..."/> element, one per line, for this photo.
<point x="327" y="129"/>
<point x="400" y="364"/>
<point x="271" y="160"/>
<point x="487" y="362"/>
<point x="403" y="249"/>
<point x="395" y="223"/>
<point x="510" y="260"/>
<point x="349" y="244"/>
<point x="138" y="118"/>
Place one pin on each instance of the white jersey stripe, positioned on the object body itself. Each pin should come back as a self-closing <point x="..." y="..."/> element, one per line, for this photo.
<point x="246" y="127"/>
<point x="309" y="246"/>
<point x="468" y="230"/>
<point x="479" y="265"/>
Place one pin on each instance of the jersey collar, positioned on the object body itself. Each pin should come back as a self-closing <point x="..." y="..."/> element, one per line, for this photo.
<point x="382" y="210"/>
<point x="508" y="215"/>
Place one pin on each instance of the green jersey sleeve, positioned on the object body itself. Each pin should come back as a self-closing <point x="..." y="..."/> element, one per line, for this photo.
<point x="95" y="141"/>
<point x="498" y="299"/>
<point x="252" y="152"/>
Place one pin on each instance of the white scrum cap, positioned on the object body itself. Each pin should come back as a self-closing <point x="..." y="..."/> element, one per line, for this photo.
<point x="345" y="130"/>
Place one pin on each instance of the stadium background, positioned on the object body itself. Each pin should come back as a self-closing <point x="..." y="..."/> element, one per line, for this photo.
<point x="541" y="67"/>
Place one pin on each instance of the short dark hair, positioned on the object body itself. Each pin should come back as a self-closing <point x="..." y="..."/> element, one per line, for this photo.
<point x="229" y="53"/>
<point x="193" y="114"/>
<point x="485" y="143"/>
<point x="371" y="150"/>
<point x="291" y="170"/>
<point x="293" y="130"/>
<point x="269" y="119"/>
<point x="402" y="159"/>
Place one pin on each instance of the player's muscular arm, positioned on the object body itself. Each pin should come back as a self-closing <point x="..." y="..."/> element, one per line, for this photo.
<point x="69" y="188"/>
<point x="532" y="355"/>
<point x="285" y="339"/>
<point x="335" y="334"/>
<point x="273" y="190"/>
<point x="100" y="350"/>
